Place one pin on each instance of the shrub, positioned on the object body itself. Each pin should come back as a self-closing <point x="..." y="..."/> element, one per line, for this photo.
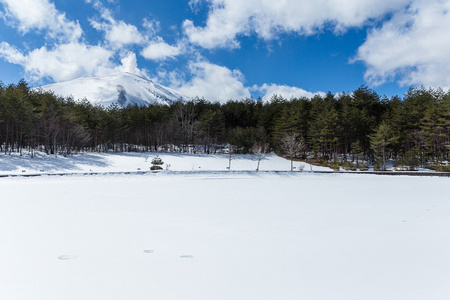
<point x="410" y="160"/>
<point x="156" y="164"/>
<point x="443" y="168"/>
<point x="335" y="165"/>
<point x="362" y="167"/>
<point x="349" y="166"/>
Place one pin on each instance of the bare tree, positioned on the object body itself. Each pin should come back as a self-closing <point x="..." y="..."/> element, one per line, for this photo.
<point x="185" y="117"/>
<point x="260" y="149"/>
<point x="291" y="145"/>
<point x="75" y="137"/>
<point x="419" y="139"/>
<point x="231" y="150"/>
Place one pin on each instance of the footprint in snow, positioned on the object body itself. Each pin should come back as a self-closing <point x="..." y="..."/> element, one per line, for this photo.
<point x="67" y="257"/>
<point x="149" y="251"/>
<point x="186" y="256"/>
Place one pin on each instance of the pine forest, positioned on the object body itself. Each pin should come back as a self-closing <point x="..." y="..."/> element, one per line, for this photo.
<point x="351" y="130"/>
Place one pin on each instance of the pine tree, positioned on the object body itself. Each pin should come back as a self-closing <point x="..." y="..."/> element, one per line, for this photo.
<point x="156" y="163"/>
<point x="211" y="127"/>
<point x="381" y="140"/>
<point x="435" y="125"/>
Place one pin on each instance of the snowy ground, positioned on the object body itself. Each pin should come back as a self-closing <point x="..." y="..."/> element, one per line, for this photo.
<point x="126" y="162"/>
<point x="224" y="236"/>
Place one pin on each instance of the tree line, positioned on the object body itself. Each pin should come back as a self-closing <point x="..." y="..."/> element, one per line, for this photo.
<point x="344" y="129"/>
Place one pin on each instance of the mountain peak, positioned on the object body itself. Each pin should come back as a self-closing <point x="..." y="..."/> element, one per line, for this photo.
<point x="121" y="88"/>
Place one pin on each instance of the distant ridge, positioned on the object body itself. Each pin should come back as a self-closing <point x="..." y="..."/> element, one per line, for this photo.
<point x="123" y="88"/>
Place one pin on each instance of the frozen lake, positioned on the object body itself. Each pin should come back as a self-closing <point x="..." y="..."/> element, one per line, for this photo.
<point x="224" y="236"/>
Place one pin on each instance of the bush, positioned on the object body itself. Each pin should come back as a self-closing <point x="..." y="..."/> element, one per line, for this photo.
<point x="362" y="167"/>
<point x="410" y="160"/>
<point x="335" y="165"/>
<point x="156" y="164"/>
<point x="443" y="168"/>
<point x="349" y="166"/>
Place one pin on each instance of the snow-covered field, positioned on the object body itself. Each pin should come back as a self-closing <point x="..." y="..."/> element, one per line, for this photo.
<point x="219" y="235"/>
<point x="128" y="162"/>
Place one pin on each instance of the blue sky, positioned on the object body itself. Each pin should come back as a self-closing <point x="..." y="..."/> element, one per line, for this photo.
<point x="231" y="49"/>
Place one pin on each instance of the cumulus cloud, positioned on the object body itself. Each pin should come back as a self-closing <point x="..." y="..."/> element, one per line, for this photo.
<point x="41" y="15"/>
<point x="63" y="62"/>
<point x="11" y="54"/>
<point x="156" y="48"/>
<point x="159" y="50"/>
<point x="229" y="19"/>
<point x="67" y="56"/>
<point x="412" y="47"/>
<point x="117" y="33"/>
<point x="129" y="65"/>
<point x="285" y="91"/>
<point x="213" y="82"/>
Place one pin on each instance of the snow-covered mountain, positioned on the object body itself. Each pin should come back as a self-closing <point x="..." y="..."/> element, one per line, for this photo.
<point x="122" y="88"/>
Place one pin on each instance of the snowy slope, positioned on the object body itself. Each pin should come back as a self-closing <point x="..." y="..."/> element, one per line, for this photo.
<point x="127" y="162"/>
<point x="122" y="88"/>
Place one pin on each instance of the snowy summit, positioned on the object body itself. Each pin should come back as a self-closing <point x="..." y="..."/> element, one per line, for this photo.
<point x="122" y="88"/>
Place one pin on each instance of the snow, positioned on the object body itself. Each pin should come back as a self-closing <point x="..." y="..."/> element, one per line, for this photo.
<point x="105" y="90"/>
<point x="129" y="162"/>
<point x="221" y="235"/>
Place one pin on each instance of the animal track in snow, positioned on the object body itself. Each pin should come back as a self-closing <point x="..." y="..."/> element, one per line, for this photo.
<point x="67" y="257"/>
<point x="149" y="251"/>
<point x="186" y="256"/>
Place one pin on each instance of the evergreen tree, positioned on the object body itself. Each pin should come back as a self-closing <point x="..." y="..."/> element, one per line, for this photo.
<point x="368" y="111"/>
<point x="156" y="163"/>
<point x="435" y="124"/>
<point x="324" y="127"/>
<point x="381" y="140"/>
<point x="211" y="126"/>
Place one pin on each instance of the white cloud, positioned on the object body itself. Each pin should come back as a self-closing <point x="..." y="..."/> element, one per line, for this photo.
<point x="413" y="47"/>
<point x="156" y="48"/>
<point x="129" y="65"/>
<point x="285" y="91"/>
<point x="11" y="54"/>
<point x="213" y="82"/>
<point x="152" y="26"/>
<point x="229" y="19"/>
<point x="117" y="33"/>
<point x="63" y="62"/>
<point x="67" y="56"/>
<point x="42" y="15"/>
<point x="160" y="51"/>
<point x="195" y="5"/>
